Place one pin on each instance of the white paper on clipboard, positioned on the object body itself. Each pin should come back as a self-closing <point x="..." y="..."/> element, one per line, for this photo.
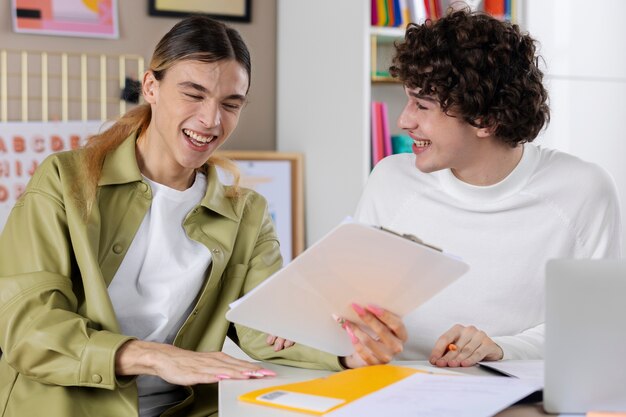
<point x="354" y="263"/>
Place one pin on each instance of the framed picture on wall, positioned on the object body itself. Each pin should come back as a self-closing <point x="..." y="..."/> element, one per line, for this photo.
<point x="234" y="10"/>
<point x="90" y="19"/>
<point x="277" y="176"/>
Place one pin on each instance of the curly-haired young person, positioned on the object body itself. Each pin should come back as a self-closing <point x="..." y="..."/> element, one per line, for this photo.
<point x="482" y="191"/>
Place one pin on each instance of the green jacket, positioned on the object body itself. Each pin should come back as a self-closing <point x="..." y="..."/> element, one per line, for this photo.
<point x="58" y="331"/>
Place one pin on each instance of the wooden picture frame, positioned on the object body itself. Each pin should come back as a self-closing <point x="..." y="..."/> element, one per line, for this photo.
<point x="278" y="176"/>
<point x="233" y="10"/>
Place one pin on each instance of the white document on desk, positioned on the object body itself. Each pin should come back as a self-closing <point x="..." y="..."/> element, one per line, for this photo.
<point x="428" y="395"/>
<point x="354" y="263"/>
<point x="530" y="369"/>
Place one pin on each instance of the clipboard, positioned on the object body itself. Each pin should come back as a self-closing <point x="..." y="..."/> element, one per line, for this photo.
<point x="354" y="263"/>
<point x="321" y="395"/>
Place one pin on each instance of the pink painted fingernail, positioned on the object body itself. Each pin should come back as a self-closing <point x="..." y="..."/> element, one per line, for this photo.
<point x="377" y="311"/>
<point x="267" y="372"/>
<point x="222" y="376"/>
<point x="359" y="310"/>
<point x="353" y="337"/>
<point x="256" y="374"/>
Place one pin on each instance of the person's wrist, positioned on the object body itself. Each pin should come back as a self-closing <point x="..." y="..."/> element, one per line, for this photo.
<point x="136" y="357"/>
<point x="500" y="354"/>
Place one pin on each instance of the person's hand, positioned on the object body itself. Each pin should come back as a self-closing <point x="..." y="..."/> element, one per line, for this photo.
<point x="470" y="346"/>
<point x="182" y="367"/>
<point x="387" y="341"/>
<point x="278" y="342"/>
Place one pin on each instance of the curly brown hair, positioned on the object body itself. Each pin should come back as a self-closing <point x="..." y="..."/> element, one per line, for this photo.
<point x="480" y="69"/>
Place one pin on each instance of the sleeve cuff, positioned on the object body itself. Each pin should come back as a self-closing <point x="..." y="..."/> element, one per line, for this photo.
<point x="98" y="361"/>
<point x="513" y="348"/>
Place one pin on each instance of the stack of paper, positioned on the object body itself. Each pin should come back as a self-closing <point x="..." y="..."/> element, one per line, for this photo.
<point x="395" y="391"/>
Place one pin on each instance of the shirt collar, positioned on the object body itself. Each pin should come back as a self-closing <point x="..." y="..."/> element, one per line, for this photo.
<point x="509" y="186"/>
<point x="120" y="167"/>
<point x="215" y="198"/>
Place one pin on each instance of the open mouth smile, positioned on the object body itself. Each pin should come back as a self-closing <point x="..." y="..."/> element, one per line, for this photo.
<point x="198" y="139"/>
<point x="421" y="143"/>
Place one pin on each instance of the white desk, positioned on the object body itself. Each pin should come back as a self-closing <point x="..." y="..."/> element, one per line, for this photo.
<point x="229" y="390"/>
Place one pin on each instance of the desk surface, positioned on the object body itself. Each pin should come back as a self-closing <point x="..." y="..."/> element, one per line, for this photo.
<point x="229" y="390"/>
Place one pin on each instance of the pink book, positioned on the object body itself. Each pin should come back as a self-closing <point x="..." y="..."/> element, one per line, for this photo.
<point x="377" y="133"/>
<point x="387" y="150"/>
<point x="374" y="10"/>
<point x="378" y="152"/>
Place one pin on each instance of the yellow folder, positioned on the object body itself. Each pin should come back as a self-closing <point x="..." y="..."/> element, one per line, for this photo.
<point x="321" y="395"/>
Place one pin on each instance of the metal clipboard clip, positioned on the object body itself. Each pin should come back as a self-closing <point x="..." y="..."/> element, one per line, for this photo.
<point x="410" y="237"/>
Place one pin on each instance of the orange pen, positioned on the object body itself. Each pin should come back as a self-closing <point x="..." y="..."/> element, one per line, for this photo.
<point x="452" y="347"/>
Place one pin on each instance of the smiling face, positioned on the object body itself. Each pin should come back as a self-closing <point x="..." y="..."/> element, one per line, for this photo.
<point x="195" y="108"/>
<point x="441" y="141"/>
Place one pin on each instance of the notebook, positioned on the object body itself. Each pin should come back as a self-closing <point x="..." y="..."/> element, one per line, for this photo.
<point x="321" y="395"/>
<point x="585" y="345"/>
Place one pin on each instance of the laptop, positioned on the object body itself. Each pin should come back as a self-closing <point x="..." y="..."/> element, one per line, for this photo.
<point x="585" y="345"/>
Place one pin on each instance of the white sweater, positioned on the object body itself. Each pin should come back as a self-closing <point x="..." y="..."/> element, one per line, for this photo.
<point x="553" y="205"/>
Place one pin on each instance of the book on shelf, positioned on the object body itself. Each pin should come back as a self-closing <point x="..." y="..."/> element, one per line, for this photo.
<point x="405" y="12"/>
<point x="398" y="13"/>
<point x="382" y="141"/>
<point x="401" y="143"/>
<point x="377" y="134"/>
<point x="373" y="13"/>
<point x="495" y="8"/>
<point x="385" y="129"/>
<point x="417" y="10"/>
<point x="391" y="19"/>
<point x="383" y="16"/>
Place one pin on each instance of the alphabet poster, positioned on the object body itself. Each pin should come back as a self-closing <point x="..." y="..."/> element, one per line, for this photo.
<point x="23" y="146"/>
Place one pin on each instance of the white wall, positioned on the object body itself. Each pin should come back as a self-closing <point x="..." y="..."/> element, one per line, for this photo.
<point x="323" y="103"/>
<point x="582" y="43"/>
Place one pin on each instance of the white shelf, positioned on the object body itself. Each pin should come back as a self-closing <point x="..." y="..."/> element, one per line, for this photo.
<point x="387" y="32"/>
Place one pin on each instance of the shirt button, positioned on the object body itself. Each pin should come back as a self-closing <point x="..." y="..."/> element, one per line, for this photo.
<point x="216" y="251"/>
<point x="96" y="378"/>
<point x="117" y="248"/>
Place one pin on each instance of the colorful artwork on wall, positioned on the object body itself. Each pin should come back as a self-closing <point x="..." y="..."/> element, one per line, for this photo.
<point x="84" y="18"/>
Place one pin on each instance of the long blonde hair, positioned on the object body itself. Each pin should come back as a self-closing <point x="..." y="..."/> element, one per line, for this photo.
<point x="198" y="38"/>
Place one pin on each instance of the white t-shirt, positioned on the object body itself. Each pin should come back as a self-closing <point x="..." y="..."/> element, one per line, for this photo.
<point x="156" y="284"/>
<point x="552" y="205"/>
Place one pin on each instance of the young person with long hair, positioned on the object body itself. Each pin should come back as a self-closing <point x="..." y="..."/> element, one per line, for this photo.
<point x="120" y="259"/>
